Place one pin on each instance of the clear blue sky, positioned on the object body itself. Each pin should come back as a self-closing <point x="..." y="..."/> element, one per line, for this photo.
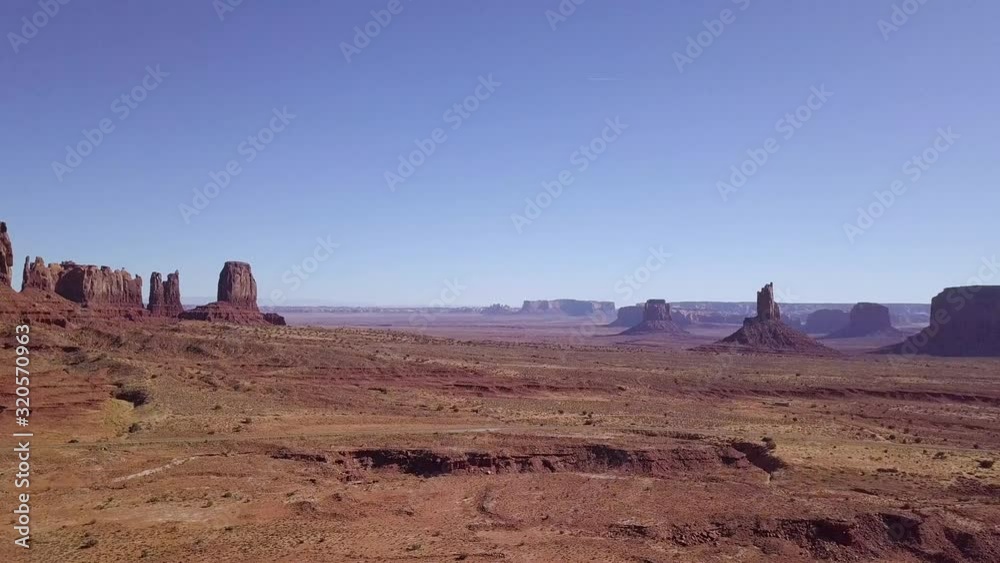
<point x="655" y="185"/>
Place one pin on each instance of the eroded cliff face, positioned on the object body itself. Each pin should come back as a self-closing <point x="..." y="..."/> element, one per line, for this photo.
<point x="656" y="310"/>
<point x="965" y="321"/>
<point x="767" y="307"/>
<point x="165" y="296"/>
<point x="237" y="286"/>
<point x="6" y="257"/>
<point x="99" y="286"/>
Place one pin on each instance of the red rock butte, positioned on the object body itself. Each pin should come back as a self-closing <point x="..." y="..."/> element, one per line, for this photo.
<point x="98" y="290"/>
<point x="965" y="321"/>
<point x="628" y="316"/>
<point x="656" y="318"/>
<point x="867" y="319"/>
<point x="165" y="296"/>
<point x="767" y="334"/>
<point x="236" y="300"/>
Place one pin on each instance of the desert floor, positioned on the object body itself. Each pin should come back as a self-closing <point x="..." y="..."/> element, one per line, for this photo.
<point x="495" y="441"/>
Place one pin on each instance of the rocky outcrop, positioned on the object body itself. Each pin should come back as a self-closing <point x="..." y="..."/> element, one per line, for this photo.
<point x="767" y="334"/>
<point x="965" y="321"/>
<point x="628" y="316"/>
<point x="237" y="286"/>
<point x="38" y="275"/>
<point x="767" y="307"/>
<point x="570" y="307"/>
<point x="826" y="321"/>
<point x="6" y="257"/>
<point x="274" y="319"/>
<point x="99" y="287"/>
<point x="867" y="319"/>
<point x="236" y="300"/>
<point x="165" y="296"/>
<point x="656" y="318"/>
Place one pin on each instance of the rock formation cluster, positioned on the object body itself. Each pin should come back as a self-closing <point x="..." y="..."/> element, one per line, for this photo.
<point x="766" y="333"/>
<point x="571" y="307"/>
<point x="826" y="321"/>
<point x="165" y="296"/>
<point x="236" y="300"/>
<point x="30" y="305"/>
<point x="656" y="318"/>
<point x="965" y="321"/>
<point x="66" y="292"/>
<point x="867" y="319"/>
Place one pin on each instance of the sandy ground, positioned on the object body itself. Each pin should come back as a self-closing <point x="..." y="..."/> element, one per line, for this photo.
<point x="496" y="442"/>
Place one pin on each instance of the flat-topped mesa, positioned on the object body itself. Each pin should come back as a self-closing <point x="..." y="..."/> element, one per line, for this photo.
<point x="6" y="257"/>
<point x="237" y="286"/>
<point x="570" y="307"/>
<point x="867" y="319"/>
<point x="826" y="321"/>
<point x="99" y="287"/>
<point x="656" y="319"/>
<point x="237" y="302"/>
<point x="965" y="321"/>
<point x="656" y="310"/>
<point x="629" y="316"/>
<point x="165" y="296"/>
<point x="767" y="308"/>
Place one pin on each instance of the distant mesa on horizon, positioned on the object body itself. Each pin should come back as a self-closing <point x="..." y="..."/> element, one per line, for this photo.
<point x="569" y="307"/>
<point x="628" y="316"/>
<point x="867" y="320"/>
<point x="656" y="319"/>
<point x="826" y="321"/>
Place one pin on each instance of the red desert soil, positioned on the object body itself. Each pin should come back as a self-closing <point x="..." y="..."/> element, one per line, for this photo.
<point x="298" y="444"/>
